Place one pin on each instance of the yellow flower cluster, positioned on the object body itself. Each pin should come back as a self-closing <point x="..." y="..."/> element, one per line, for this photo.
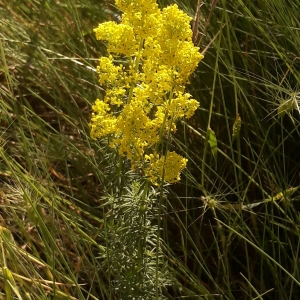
<point x="151" y="57"/>
<point x="164" y="168"/>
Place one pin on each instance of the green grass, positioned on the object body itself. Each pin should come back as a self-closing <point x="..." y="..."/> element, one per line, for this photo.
<point x="70" y="217"/>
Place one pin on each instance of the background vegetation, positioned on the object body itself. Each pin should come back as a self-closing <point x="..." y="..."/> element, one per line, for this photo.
<point x="230" y="229"/>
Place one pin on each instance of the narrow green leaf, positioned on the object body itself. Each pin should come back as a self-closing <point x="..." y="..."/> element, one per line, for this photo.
<point x="213" y="142"/>
<point x="6" y="235"/>
<point x="10" y="285"/>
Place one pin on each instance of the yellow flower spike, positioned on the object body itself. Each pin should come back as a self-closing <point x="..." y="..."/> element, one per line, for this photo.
<point x="182" y="106"/>
<point x="144" y="100"/>
<point x="135" y="130"/>
<point x="110" y="74"/>
<point x="120" y="37"/>
<point x="144" y="23"/>
<point x="102" y="123"/>
<point x="176" y="25"/>
<point x="129" y="6"/>
<point x="171" y="166"/>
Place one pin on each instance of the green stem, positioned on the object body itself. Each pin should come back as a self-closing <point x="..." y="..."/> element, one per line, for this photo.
<point x="135" y="63"/>
<point x="158" y="235"/>
<point x="162" y="128"/>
